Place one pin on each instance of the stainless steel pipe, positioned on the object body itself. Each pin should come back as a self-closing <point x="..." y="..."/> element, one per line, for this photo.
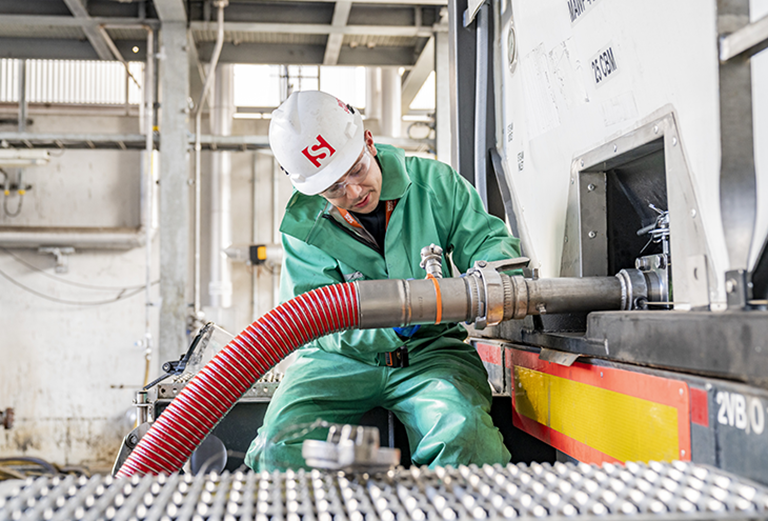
<point x="486" y="297"/>
<point x="568" y="295"/>
<point x="415" y="301"/>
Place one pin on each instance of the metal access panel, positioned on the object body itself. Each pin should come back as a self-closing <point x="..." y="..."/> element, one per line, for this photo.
<point x="597" y="411"/>
<point x="578" y="79"/>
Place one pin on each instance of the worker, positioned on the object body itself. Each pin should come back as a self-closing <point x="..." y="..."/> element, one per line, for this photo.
<point x="362" y="211"/>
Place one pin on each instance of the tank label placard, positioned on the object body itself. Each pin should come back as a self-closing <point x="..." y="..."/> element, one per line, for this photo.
<point x="741" y="411"/>
<point x="604" y="65"/>
<point x="578" y="8"/>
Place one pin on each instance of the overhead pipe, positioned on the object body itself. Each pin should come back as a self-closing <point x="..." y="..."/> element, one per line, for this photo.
<point x="220" y="4"/>
<point x="484" y="296"/>
<point x="220" y="218"/>
<point x="275" y="229"/>
<point x="147" y="195"/>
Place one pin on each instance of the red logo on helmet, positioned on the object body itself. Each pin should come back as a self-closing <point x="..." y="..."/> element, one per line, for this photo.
<point x="322" y="150"/>
<point x="343" y="105"/>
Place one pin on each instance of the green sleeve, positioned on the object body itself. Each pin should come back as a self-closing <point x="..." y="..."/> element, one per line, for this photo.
<point x="475" y="234"/>
<point x="307" y="267"/>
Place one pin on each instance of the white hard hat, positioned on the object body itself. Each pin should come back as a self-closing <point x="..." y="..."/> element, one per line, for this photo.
<point x="316" y="138"/>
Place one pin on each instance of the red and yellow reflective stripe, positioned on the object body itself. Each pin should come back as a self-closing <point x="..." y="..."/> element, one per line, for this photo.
<point x="600" y="414"/>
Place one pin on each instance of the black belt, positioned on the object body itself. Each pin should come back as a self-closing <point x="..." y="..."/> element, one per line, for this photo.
<point x="397" y="358"/>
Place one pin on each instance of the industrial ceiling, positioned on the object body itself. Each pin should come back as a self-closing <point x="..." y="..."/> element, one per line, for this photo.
<point x="341" y="32"/>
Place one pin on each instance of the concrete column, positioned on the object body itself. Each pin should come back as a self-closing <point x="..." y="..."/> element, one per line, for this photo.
<point x="391" y="95"/>
<point x="373" y="99"/>
<point x="222" y="113"/>
<point x="175" y="267"/>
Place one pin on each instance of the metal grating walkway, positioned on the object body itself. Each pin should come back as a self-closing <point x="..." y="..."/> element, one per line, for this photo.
<point x="655" y="491"/>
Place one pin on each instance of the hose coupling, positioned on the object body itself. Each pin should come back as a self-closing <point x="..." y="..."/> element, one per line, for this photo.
<point x="493" y="298"/>
<point x="432" y="260"/>
<point x="635" y="286"/>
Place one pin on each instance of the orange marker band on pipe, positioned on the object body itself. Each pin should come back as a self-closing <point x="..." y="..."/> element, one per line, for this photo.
<point x="439" y="315"/>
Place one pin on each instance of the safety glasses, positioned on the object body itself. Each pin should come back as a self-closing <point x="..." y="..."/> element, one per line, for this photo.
<point x="354" y="176"/>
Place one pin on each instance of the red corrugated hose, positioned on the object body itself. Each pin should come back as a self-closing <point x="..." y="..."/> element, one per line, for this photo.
<point x="207" y="398"/>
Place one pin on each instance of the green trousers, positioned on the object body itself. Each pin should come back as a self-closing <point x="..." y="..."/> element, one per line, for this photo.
<point x="443" y="399"/>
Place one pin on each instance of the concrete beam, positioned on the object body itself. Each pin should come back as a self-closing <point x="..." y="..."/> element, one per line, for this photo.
<point x="412" y="84"/>
<point x="48" y="48"/>
<point x="333" y="45"/>
<point x="287" y="28"/>
<point x="387" y="2"/>
<point x="96" y="35"/>
<point x="296" y="54"/>
<point x="69" y="21"/>
<point x="60" y="49"/>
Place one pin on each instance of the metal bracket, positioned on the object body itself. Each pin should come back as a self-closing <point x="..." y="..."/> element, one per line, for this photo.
<point x="472" y="9"/>
<point x="738" y="289"/>
<point x="558" y="357"/>
<point x="60" y="254"/>
<point x="749" y="40"/>
<point x="129" y="443"/>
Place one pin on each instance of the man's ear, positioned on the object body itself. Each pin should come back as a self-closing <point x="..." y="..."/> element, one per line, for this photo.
<point x="368" y="136"/>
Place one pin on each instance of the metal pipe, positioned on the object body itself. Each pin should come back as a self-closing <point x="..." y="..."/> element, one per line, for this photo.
<point x="569" y="295"/>
<point x="275" y="229"/>
<point x="388" y="303"/>
<point x="149" y="99"/>
<point x="471" y="299"/>
<point x="220" y="272"/>
<point x="198" y="121"/>
<point x="254" y="236"/>
<point x="79" y="238"/>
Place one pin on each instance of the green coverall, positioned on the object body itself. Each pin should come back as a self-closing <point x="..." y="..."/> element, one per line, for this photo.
<point x="442" y="397"/>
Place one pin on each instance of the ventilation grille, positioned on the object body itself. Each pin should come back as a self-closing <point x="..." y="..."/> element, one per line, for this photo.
<point x="73" y="82"/>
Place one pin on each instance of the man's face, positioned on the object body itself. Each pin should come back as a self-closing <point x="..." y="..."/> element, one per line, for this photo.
<point x="358" y="190"/>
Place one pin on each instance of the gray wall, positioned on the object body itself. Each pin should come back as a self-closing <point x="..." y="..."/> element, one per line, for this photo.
<point x="71" y="371"/>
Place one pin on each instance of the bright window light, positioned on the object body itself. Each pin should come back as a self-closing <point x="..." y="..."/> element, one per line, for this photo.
<point x="257" y="85"/>
<point x="425" y="99"/>
<point x="346" y="83"/>
<point x="260" y="85"/>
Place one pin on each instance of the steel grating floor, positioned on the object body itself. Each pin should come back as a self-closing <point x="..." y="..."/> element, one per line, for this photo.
<point x="657" y="490"/>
